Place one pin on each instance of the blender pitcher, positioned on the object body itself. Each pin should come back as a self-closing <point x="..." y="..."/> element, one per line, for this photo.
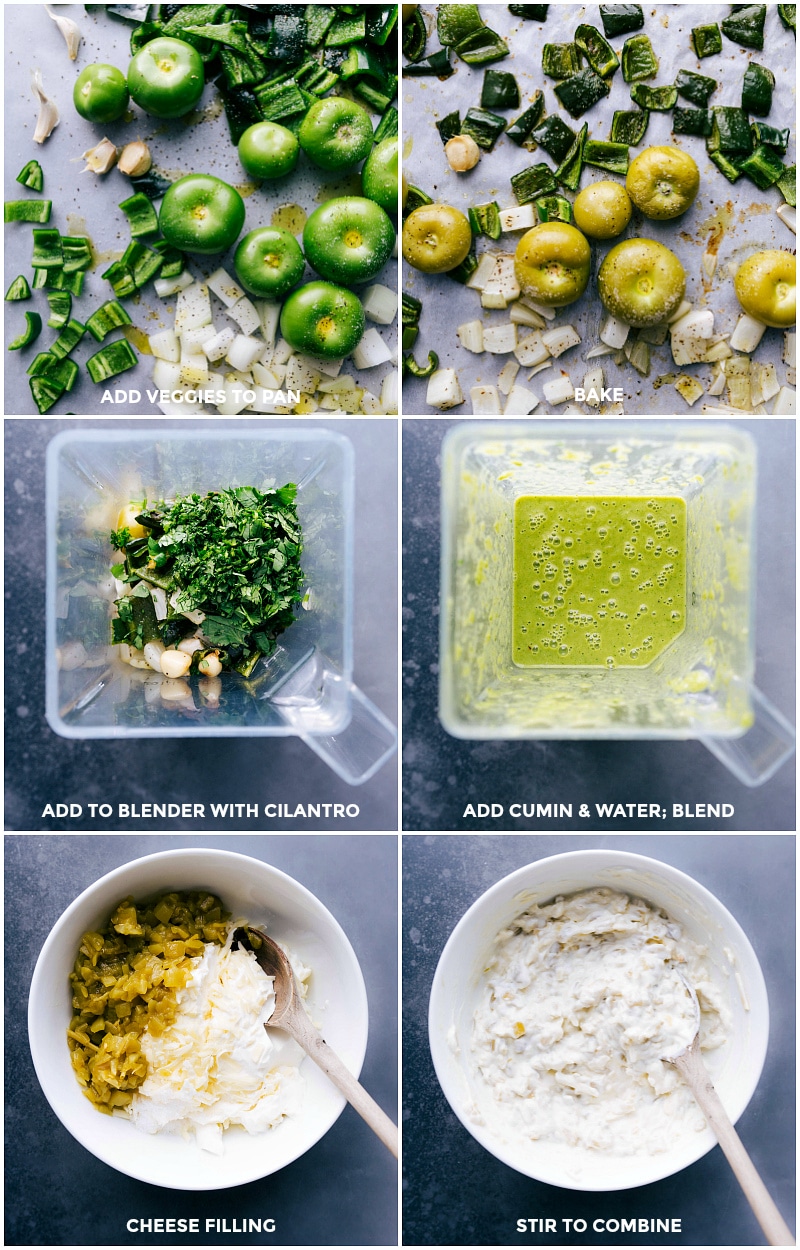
<point x="597" y="582"/>
<point x="304" y="687"/>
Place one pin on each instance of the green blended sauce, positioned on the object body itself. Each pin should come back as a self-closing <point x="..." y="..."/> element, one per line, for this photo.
<point x="599" y="580"/>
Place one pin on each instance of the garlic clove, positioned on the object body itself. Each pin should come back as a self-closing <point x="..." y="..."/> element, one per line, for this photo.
<point x="48" y="117"/>
<point x="100" y="158"/>
<point x="70" y="31"/>
<point x="462" y="153"/>
<point x="135" y="159"/>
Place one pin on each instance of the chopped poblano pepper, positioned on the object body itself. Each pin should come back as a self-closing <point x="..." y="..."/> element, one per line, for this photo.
<point x="533" y="12"/>
<point x="706" y="40"/>
<point x="69" y="338"/>
<point x="350" y="28"/>
<point x="45" y="393"/>
<point x="463" y="272"/>
<point x="554" y="208"/>
<point x="421" y="371"/>
<point x="19" y="289"/>
<point x="638" y="59"/>
<point x="437" y="65"/>
<point x="141" y="215"/>
<point x="521" y="129"/>
<point x="39" y="279"/>
<point x="600" y="55"/>
<point x="763" y="167"/>
<point x="788" y="15"/>
<point x="697" y="88"/>
<point x="455" y="21"/>
<point x="787" y="185"/>
<point x="411" y="310"/>
<point x="656" y="99"/>
<point x="757" y="89"/>
<point x="112" y="359"/>
<point x="621" y="19"/>
<point x="747" y="26"/>
<point x="172" y="261"/>
<point x="60" y="308"/>
<point x="555" y="137"/>
<point x="560" y="60"/>
<point x="570" y="170"/>
<point x="582" y="91"/>
<point x="109" y="316"/>
<point x="484" y="127"/>
<point x="726" y="166"/>
<point x="530" y="183"/>
<point x="629" y="128"/>
<point x="485" y="219"/>
<point x="27" y="210"/>
<point x="31" y="176"/>
<point x="387" y="128"/>
<point x="319" y="18"/>
<point x="41" y="364"/>
<point x="449" y="127"/>
<point x="415" y="198"/>
<point x="77" y="252"/>
<point x="415" y="36"/>
<point x="481" y="47"/>
<point x="63" y="373"/>
<point x="33" y="328"/>
<point x="774" y="138"/>
<point x="610" y="156"/>
<point x="730" y="131"/>
<point x="691" y="122"/>
<point x="499" y="90"/>
<point x="47" y="252"/>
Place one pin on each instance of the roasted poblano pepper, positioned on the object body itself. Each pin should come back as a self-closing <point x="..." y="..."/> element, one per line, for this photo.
<point x="787" y="185"/>
<point x="774" y="138"/>
<point x="746" y="27"/>
<point x="582" y="91"/>
<point x="499" y="90"/>
<point x="757" y="89"/>
<point x="485" y="219"/>
<point x="788" y="15"/>
<point x="560" y="60"/>
<point x="415" y="36"/>
<point x="521" y="129"/>
<point x="481" y="47"/>
<point x="484" y="127"/>
<point x="449" y="127"/>
<point x="555" y="137"/>
<point x="656" y="99"/>
<point x="530" y="183"/>
<point x="621" y="19"/>
<point x="763" y="167"/>
<point x="629" y="128"/>
<point x="730" y="132"/>
<point x="610" y="156"/>
<point x="697" y="88"/>
<point x="553" y="208"/>
<point x="691" y="122"/>
<point x="600" y="55"/>
<point x="706" y="40"/>
<point x="570" y="170"/>
<point x="638" y="59"/>
<point x="534" y="12"/>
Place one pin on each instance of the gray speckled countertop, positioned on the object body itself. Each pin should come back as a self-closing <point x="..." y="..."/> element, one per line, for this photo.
<point x="442" y="774"/>
<point x="456" y="1193"/>
<point x="341" y="1192"/>
<point x="44" y="768"/>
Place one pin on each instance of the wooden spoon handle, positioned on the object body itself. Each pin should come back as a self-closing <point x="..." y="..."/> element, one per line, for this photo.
<point x="317" y="1049"/>
<point x="690" y="1065"/>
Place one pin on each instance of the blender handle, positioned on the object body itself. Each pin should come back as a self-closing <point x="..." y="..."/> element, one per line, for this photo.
<point x="356" y="752"/>
<point x="759" y="753"/>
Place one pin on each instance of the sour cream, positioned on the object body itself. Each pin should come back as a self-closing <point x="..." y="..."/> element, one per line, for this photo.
<point x="581" y="998"/>
<point x="217" y="1065"/>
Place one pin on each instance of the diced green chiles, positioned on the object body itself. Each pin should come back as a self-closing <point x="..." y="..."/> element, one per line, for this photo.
<point x="706" y="40"/>
<point x="31" y="176"/>
<point x="638" y="59"/>
<point x="485" y="219"/>
<point x="19" y="289"/>
<point x="570" y="170"/>
<point x="33" y="328"/>
<point x="141" y="215"/>
<point x="47" y="252"/>
<point x="629" y="128"/>
<point x="77" y="253"/>
<point x="27" y="210"/>
<point x="109" y="316"/>
<point x="112" y="359"/>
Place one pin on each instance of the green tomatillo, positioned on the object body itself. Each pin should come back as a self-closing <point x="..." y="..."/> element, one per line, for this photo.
<point x="166" y="77"/>
<point x="348" y="239"/>
<point x="336" y="133"/>
<point x="100" y="93"/>
<point x="380" y="175"/>
<point x="269" y="262"/>
<point x="323" y="320"/>
<point x="268" y="150"/>
<point x="201" y="213"/>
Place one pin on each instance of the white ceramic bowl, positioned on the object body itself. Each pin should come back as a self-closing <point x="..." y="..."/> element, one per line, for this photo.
<point x="735" y="1067"/>
<point x="337" y="1001"/>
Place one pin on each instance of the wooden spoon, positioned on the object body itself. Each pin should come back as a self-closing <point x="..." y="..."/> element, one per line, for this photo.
<point x="291" y="1015"/>
<point x="689" y="1062"/>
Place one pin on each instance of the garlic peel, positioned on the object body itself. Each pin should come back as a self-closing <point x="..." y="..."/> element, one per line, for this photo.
<point x="48" y="117"/>
<point x="70" y="31"/>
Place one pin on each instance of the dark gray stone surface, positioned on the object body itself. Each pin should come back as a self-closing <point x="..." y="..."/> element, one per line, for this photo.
<point x="455" y="1192"/>
<point x="442" y="774"/>
<point x="43" y="768"/>
<point x="341" y="1192"/>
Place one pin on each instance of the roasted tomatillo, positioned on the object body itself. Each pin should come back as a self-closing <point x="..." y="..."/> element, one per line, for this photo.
<point x="765" y="287"/>
<point x="603" y="209"/>
<point x="552" y="263"/>
<point x="663" y="182"/>
<point x="436" y="238"/>
<point x="641" y="282"/>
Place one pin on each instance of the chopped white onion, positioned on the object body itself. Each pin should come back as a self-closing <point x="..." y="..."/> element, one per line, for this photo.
<point x="485" y="401"/>
<point x="444" y="390"/>
<point x="225" y="288"/>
